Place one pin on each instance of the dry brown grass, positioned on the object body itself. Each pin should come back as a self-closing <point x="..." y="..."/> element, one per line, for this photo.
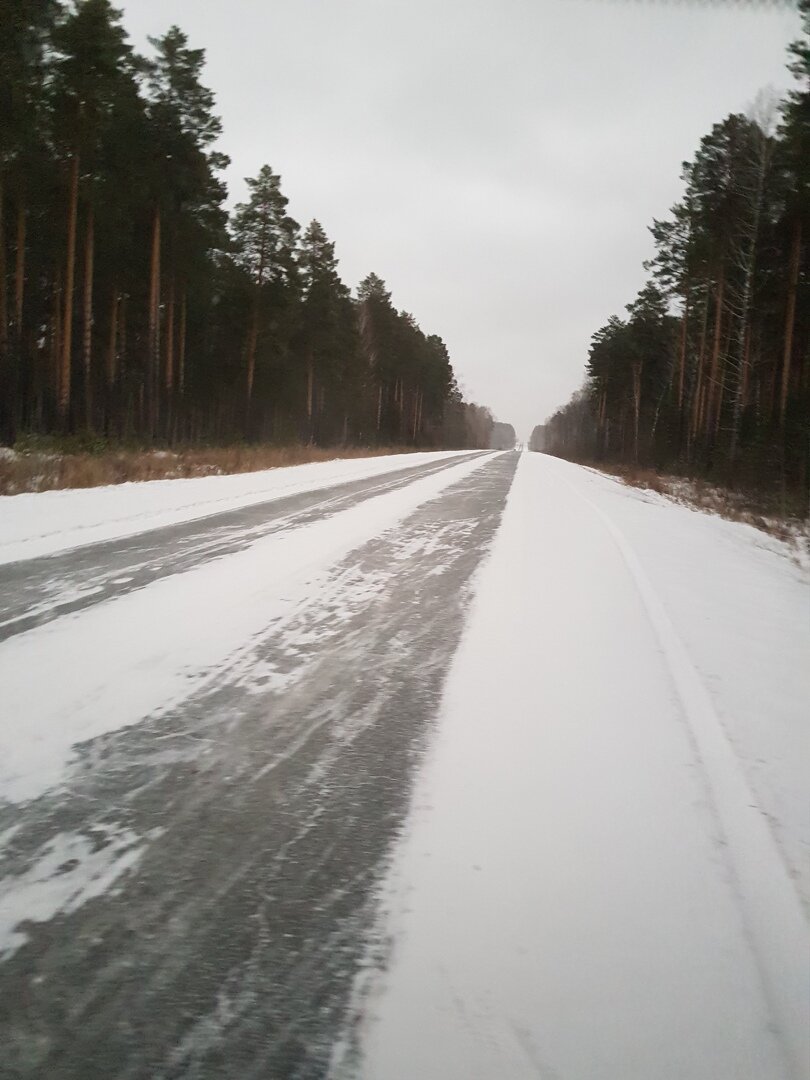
<point x="769" y="512"/>
<point x="636" y="476"/>
<point x="33" y="470"/>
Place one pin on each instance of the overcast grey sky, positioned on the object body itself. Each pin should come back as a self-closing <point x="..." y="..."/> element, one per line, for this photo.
<point x="497" y="162"/>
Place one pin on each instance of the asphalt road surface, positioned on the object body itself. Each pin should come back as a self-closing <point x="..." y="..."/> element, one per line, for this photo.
<point x="245" y="827"/>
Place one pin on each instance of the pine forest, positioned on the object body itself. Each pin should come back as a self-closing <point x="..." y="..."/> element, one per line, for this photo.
<point x="708" y="373"/>
<point x="134" y="308"/>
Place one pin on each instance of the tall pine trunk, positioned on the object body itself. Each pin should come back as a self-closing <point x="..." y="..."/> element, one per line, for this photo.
<point x="65" y="366"/>
<point x="636" y="409"/>
<point x="111" y="362"/>
<point x="713" y="390"/>
<point x="181" y="347"/>
<point x="19" y="268"/>
<point x="6" y="405"/>
<point x="683" y="418"/>
<point x="153" y="354"/>
<point x="602" y="425"/>
<point x="253" y="337"/>
<point x="253" y="333"/>
<point x="746" y="383"/>
<point x="699" y="395"/>
<point x="87" y="344"/>
<point x="56" y="334"/>
<point x="19" y="301"/>
<point x="682" y="355"/>
<point x="3" y="284"/>
<point x="112" y="344"/>
<point x="310" y="393"/>
<point x="416" y="401"/>
<point x="121" y="355"/>
<point x="168" y="361"/>
<point x="790" y="319"/>
<point x="742" y="326"/>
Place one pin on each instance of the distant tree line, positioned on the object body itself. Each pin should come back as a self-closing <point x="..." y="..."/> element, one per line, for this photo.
<point x="708" y="373"/>
<point x="537" y="439"/>
<point x="133" y="306"/>
<point x="503" y="437"/>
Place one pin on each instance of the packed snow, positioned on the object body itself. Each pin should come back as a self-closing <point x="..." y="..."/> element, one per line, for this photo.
<point x="602" y="875"/>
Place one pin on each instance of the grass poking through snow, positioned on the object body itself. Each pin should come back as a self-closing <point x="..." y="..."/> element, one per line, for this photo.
<point x="771" y="512"/>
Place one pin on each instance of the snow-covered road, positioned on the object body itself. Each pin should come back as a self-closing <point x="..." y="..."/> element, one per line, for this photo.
<point x="601" y="873"/>
<point x="462" y="766"/>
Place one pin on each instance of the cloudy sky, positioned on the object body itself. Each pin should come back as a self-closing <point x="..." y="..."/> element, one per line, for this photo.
<point x="497" y="162"/>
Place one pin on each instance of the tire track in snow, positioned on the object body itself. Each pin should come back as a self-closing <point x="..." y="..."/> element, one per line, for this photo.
<point x="53" y="522"/>
<point x="772" y="910"/>
<point x="36" y="591"/>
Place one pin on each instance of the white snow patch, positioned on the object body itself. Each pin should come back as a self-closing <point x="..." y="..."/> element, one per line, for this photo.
<point x="71" y="869"/>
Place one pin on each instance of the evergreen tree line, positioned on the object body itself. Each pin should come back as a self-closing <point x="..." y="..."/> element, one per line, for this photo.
<point x="708" y="373"/>
<point x="133" y="306"/>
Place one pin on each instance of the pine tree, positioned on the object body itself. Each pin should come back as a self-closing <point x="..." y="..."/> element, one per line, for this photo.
<point x="264" y="245"/>
<point x="328" y="340"/>
<point x="91" y="74"/>
<point x="186" y="210"/>
<point x="377" y="320"/>
<point x="119" y="275"/>
<point x="25" y="30"/>
<point x="795" y="133"/>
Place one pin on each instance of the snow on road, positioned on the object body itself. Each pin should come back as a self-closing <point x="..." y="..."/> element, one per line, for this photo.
<point x="601" y="872"/>
<point x="141" y="653"/>
<point x="45" y="522"/>
<point x="604" y="873"/>
<point x="206" y="876"/>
